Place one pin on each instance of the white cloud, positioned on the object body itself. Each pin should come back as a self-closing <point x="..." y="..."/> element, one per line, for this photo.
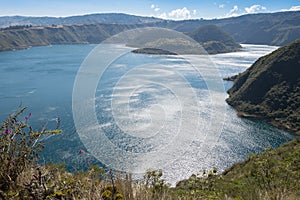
<point x="293" y="8"/>
<point x="255" y="8"/>
<point x="232" y="12"/>
<point x="162" y="15"/>
<point x="234" y="9"/>
<point x="176" y="14"/>
<point x="221" y="6"/>
<point x="155" y="8"/>
<point x="180" y="14"/>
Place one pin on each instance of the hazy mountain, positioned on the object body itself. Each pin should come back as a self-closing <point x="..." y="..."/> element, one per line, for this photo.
<point x="270" y="88"/>
<point x="272" y="28"/>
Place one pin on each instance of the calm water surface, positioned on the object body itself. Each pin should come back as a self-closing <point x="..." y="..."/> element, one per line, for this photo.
<point x="43" y="77"/>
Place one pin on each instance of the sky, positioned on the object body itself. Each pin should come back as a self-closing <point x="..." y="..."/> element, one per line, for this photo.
<point x="167" y="9"/>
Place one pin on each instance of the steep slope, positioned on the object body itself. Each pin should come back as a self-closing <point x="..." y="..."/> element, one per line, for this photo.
<point x="270" y="88"/>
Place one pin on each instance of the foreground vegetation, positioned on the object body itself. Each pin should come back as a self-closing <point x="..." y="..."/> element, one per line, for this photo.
<point x="273" y="174"/>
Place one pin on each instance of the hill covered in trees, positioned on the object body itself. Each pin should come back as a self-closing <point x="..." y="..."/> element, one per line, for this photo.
<point x="270" y="88"/>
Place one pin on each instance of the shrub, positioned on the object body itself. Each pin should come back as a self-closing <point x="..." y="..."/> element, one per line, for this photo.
<point x="19" y="148"/>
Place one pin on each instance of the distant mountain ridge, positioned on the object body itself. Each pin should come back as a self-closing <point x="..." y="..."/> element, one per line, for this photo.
<point x="104" y="18"/>
<point x="270" y="88"/>
<point x="277" y="29"/>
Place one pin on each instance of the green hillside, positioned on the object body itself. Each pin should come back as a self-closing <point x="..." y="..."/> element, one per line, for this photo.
<point x="270" y="88"/>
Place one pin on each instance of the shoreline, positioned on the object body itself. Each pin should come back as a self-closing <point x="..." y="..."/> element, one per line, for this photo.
<point x="40" y="45"/>
<point x="269" y="121"/>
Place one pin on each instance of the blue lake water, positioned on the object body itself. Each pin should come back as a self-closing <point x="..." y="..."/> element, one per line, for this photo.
<point x="142" y="102"/>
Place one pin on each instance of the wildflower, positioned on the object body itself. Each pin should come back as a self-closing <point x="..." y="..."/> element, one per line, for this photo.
<point x="88" y="163"/>
<point x="7" y="132"/>
<point x="57" y="122"/>
<point x="81" y="151"/>
<point x="28" y="116"/>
